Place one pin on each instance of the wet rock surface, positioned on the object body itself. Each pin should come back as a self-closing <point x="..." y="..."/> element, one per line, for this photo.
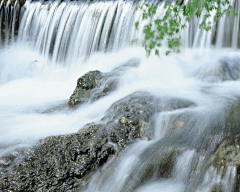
<point x="65" y="163"/>
<point x="133" y="116"/>
<point x="85" y="86"/>
<point x="153" y="165"/>
<point x="60" y="162"/>
<point x="228" y="152"/>
<point x="233" y="120"/>
<point x="95" y="85"/>
<point x="217" y="188"/>
<point x="222" y="70"/>
<point x="228" y="155"/>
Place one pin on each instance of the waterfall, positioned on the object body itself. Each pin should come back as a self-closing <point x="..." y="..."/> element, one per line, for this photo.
<point x="67" y="31"/>
<point x="45" y="46"/>
<point x="9" y="17"/>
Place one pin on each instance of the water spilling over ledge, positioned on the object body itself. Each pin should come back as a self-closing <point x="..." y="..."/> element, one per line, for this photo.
<point x="83" y="110"/>
<point x="66" y="31"/>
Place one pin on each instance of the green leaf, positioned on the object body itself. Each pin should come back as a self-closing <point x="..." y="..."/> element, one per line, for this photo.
<point x="156" y="52"/>
<point x="175" y="9"/>
<point x="183" y="26"/>
<point x="167" y="53"/>
<point x="171" y="22"/>
<point x="144" y="16"/>
<point x="207" y="28"/>
<point x="198" y="13"/>
<point x="180" y="2"/>
<point x="136" y="24"/>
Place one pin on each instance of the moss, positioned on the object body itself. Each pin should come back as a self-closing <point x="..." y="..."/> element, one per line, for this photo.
<point x="76" y="94"/>
<point x="237" y="164"/>
<point x="123" y="120"/>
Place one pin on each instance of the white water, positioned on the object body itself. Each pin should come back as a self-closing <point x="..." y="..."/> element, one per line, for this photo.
<point x="66" y="32"/>
<point x="29" y="88"/>
<point x="39" y="71"/>
<point x="212" y="177"/>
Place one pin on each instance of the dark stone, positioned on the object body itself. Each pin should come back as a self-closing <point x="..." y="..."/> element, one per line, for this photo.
<point x="95" y="85"/>
<point x="85" y="85"/>
<point x="230" y="69"/>
<point x="65" y="162"/>
<point x="217" y="188"/>
<point x="133" y="116"/>
<point x="228" y="152"/>
<point x="153" y="165"/>
<point x="5" y="162"/>
<point x="60" y="162"/>
<point x="233" y="119"/>
<point x="226" y="69"/>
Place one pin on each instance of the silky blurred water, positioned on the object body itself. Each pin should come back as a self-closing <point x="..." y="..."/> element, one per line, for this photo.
<point x="29" y="88"/>
<point x="57" y="42"/>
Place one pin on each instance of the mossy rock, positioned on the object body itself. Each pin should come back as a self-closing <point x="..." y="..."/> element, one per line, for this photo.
<point x="233" y="119"/>
<point x="95" y="85"/>
<point x="85" y="85"/>
<point x="228" y="152"/>
<point x="60" y="163"/>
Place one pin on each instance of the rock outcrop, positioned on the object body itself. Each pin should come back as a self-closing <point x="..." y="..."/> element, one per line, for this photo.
<point x="60" y="162"/>
<point x="64" y="163"/>
<point x="228" y="152"/>
<point x="95" y="85"/>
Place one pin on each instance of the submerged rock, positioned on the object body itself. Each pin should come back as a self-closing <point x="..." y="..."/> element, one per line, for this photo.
<point x="233" y="119"/>
<point x="225" y="69"/>
<point x="133" y="116"/>
<point x="228" y="152"/>
<point x="217" y="188"/>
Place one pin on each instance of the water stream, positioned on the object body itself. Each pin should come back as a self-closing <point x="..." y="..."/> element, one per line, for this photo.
<point x="46" y="46"/>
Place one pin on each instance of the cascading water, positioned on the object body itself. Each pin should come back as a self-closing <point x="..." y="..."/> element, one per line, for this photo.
<point x="63" y="32"/>
<point x="46" y="46"/>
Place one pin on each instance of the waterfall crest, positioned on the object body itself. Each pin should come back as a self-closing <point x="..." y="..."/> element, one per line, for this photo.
<point x="66" y="31"/>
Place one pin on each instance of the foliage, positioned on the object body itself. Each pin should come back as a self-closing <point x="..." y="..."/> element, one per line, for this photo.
<point x="171" y="23"/>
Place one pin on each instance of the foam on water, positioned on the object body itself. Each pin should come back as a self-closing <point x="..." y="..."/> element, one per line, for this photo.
<point x="57" y="43"/>
<point x="27" y="93"/>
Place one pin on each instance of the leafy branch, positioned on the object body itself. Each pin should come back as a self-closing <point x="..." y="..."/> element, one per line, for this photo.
<point x="171" y="23"/>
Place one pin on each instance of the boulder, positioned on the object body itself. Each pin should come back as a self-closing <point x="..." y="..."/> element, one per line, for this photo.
<point x="60" y="162"/>
<point x="65" y="162"/>
<point x="228" y="153"/>
<point x="225" y="69"/>
<point x="95" y="85"/>
<point x="133" y="116"/>
<point x="85" y="86"/>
